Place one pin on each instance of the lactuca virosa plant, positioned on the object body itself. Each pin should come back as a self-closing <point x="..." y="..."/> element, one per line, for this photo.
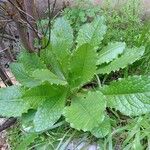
<point x="52" y="84"/>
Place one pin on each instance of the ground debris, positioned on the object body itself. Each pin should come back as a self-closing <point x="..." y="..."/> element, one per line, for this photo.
<point x="3" y="140"/>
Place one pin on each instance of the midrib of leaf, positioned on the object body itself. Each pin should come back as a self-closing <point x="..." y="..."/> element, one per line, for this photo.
<point x="57" y="66"/>
<point x="43" y="97"/>
<point x="13" y="100"/>
<point x="107" y="51"/>
<point x="83" y="65"/>
<point x="84" y="62"/>
<point x="17" y="99"/>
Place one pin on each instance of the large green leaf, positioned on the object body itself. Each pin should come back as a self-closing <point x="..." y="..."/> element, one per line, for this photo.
<point x="49" y="112"/>
<point x="36" y="78"/>
<point x="127" y="58"/>
<point x="49" y="100"/>
<point x="16" y="100"/>
<point x="82" y="66"/>
<point x="62" y="36"/>
<point x="44" y="75"/>
<point x="11" y="102"/>
<point x="130" y="96"/>
<point x="110" y="52"/>
<point x="92" y="33"/>
<point x="22" y="70"/>
<point x="61" y="41"/>
<point x="87" y="111"/>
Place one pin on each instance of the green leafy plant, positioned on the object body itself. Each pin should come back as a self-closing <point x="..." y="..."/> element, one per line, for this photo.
<point x="145" y="40"/>
<point x="123" y="21"/>
<point x="53" y="85"/>
<point x="81" y="13"/>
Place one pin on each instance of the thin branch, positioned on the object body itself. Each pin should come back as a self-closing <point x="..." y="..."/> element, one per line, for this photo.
<point x="24" y="15"/>
<point x="21" y="10"/>
<point x="5" y="49"/>
<point x="50" y="14"/>
<point x="5" y="78"/>
<point x="8" y="37"/>
<point x="7" y="124"/>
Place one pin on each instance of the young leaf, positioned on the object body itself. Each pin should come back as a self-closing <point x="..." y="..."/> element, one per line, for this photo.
<point x="62" y="41"/>
<point x="103" y="129"/>
<point x="92" y="33"/>
<point x="49" y="112"/>
<point x="44" y="75"/>
<point x="82" y="66"/>
<point x="50" y="59"/>
<point x="110" y="52"/>
<point x="11" y="102"/>
<point x="130" y="96"/>
<point x="127" y="58"/>
<point x="63" y="35"/>
<point x="87" y="111"/>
